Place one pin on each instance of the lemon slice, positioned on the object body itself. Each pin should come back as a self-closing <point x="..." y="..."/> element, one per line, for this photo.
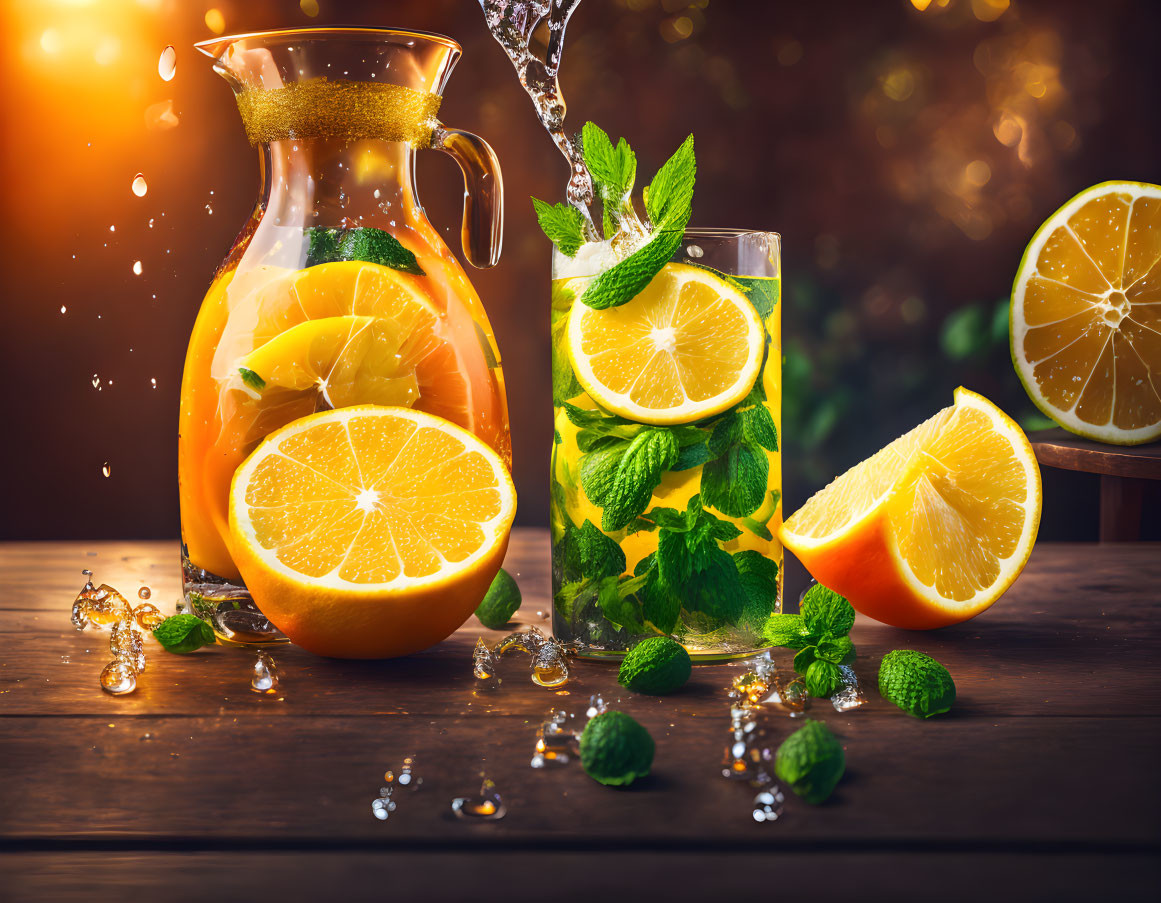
<point x="370" y="531"/>
<point x="932" y="529"/>
<point x="1086" y="314"/>
<point x="687" y="347"/>
<point x="348" y="360"/>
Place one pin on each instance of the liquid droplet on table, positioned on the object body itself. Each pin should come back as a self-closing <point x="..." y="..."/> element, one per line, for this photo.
<point x="127" y="646"/>
<point x="148" y="616"/>
<point x="118" y="678"/>
<point x="768" y="804"/>
<point x="144" y="593"/>
<point x="596" y="706"/>
<point x="549" y="666"/>
<point x="264" y="674"/>
<point x="167" y="63"/>
<point x="140" y="186"/>
<point x="488" y="806"/>
<point x="484" y="665"/>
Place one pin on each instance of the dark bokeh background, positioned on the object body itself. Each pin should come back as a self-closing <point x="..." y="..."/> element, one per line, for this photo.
<point x="905" y="149"/>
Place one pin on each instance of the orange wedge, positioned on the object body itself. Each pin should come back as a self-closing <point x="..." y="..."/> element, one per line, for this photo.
<point x="370" y="531"/>
<point x="1086" y="314"/>
<point x="932" y="529"/>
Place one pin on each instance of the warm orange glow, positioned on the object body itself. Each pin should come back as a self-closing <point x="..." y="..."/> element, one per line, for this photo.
<point x="215" y="21"/>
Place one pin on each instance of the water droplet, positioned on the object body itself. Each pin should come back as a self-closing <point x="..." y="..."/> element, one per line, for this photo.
<point x="148" y="615"/>
<point x="209" y="210"/>
<point x="768" y="804"/>
<point x="694" y="251"/>
<point x="596" y="706"/>
<point x="382" y="807"/>
<point x="264" y="674"/>
<point x="488" y="806"/>
<point x="310" y="7"/>
<point x="167" y="63"/>
<point x="106" y="470"/>
<point x="153" y="382"/>
<point x="140" y="186"/>
<point x="137" y="268"/>
<point x="63" y="308"/>
<point x="550" y="667"/>
<point x="484" y="666"/>
<point x="96" y="381"/>
<point x="118" y="678"/>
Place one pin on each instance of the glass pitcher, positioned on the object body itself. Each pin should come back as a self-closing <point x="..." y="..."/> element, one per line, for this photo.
<point x="337" y="290"/>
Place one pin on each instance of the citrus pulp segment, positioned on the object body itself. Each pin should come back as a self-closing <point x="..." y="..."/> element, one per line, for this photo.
<point x="687" y="347"/>
<point x="1086" y="314"/>
<point x="370" y="531"/>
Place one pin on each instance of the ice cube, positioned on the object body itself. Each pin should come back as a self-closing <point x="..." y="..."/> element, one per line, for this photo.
<point x="127" y="646"/>
<point x="768" y="804"/>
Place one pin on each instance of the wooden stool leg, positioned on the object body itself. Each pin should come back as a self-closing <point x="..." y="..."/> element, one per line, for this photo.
<point x="1121" y="508"/>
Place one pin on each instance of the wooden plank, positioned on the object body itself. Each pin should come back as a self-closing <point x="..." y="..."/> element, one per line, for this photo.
<point x="1009" y="783"/>
<point x="1094" y="663"/>
<point x="818" y="875"/>
<point x="1091" y="649"/>
<point x="1059" y="448"/>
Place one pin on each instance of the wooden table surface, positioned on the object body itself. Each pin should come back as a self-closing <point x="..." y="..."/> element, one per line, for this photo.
<point x="1043" y="783"/>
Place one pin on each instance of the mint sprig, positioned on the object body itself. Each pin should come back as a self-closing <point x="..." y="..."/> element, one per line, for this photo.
<point x="613" y="170"/>
<point x="819" y="633"/>
<point x="184" y="633"/>
<point x="669" y="204"/>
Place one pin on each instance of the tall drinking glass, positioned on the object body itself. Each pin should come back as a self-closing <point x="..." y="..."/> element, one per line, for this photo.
<point x="666" y="464"/>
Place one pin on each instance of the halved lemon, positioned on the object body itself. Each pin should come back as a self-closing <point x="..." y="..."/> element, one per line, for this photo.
<point x="1086" y="314"/>
<point x="370" y="531"/>
<point x="932" y="529"/>
<point x="688" y="346"/>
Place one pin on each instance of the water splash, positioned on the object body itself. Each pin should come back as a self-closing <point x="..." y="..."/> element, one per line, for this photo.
<point x="512" y="23"/>
<point x="140" y="186"/>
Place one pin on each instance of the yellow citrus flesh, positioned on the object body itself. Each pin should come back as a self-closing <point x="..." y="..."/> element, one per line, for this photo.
<point x="370" y="531"/>
<point x="1086" y="314"/>
<point x="686" y="347"/>
<point x="932" y="529"/>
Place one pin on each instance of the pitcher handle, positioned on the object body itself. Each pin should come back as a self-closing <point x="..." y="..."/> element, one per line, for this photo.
<point x="482" y="232"/>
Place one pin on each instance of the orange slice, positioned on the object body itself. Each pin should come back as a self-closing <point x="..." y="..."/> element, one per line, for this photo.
<point x="688" y="346"/>
<point x="370" y="531"/>
<point x="932" y="529"/>
<point x="1086" y="314"/>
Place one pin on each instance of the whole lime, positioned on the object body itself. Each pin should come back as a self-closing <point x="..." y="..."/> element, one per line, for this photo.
<point x="657" y="666"/>
<point x="615" y="749"/>
<point x="500" y="602"/>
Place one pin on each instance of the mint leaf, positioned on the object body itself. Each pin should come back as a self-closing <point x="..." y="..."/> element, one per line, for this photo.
<point x="715" y="588"/>
<point x="787" y="631"/>
<point x="599" y="556"/>
<point x="613" y="170"/>
<point x="669" y="203"/>
<point x="564" y="382"/>
<point x="377" y="246"/>
<point x="184" y="633"/>
<point x="735" y="483"/>
<point x="690" y="457"/>
<point x="252" y="379"/>
<point x="804" y="658"/>
<point x="759" y="577"/>
<point x="563" y="224"/>
<point x="669" y="197"/>
<point x="660" y="605"/>
<point x="763" y="292"/>
<point x="823" y="678"/>
<point x="619" y="605"/>
<point x="759" y="428"/>
<point x="322" y="245"/>
<point x="837" y="650"/>
<point x="826" y="612"/>
<point x="569" y="595"/>
<point x="599" y="468"/>
<point x="639" y="471"/>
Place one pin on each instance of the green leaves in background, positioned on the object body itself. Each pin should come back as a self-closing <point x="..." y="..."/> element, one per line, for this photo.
<point x="974" y="330"/>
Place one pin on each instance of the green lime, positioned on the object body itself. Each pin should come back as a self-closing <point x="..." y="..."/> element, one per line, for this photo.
<point x="500" y="602"/>
<point x="615" y="750"/>
<point x="657" y="666"/>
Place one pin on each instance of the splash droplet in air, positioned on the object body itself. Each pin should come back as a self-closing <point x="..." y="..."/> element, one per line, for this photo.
<point x="310" y="7"/>
<point x="215" y="21"/>
<point x="96" y="381"/>
<point x="160" y="116"/>
<point x="140" y="186"/>
<point x="137" y="268"/>
<point x="106" y="470"/>
<point x="63" y="309"/>
<point x="167" y="63"/>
